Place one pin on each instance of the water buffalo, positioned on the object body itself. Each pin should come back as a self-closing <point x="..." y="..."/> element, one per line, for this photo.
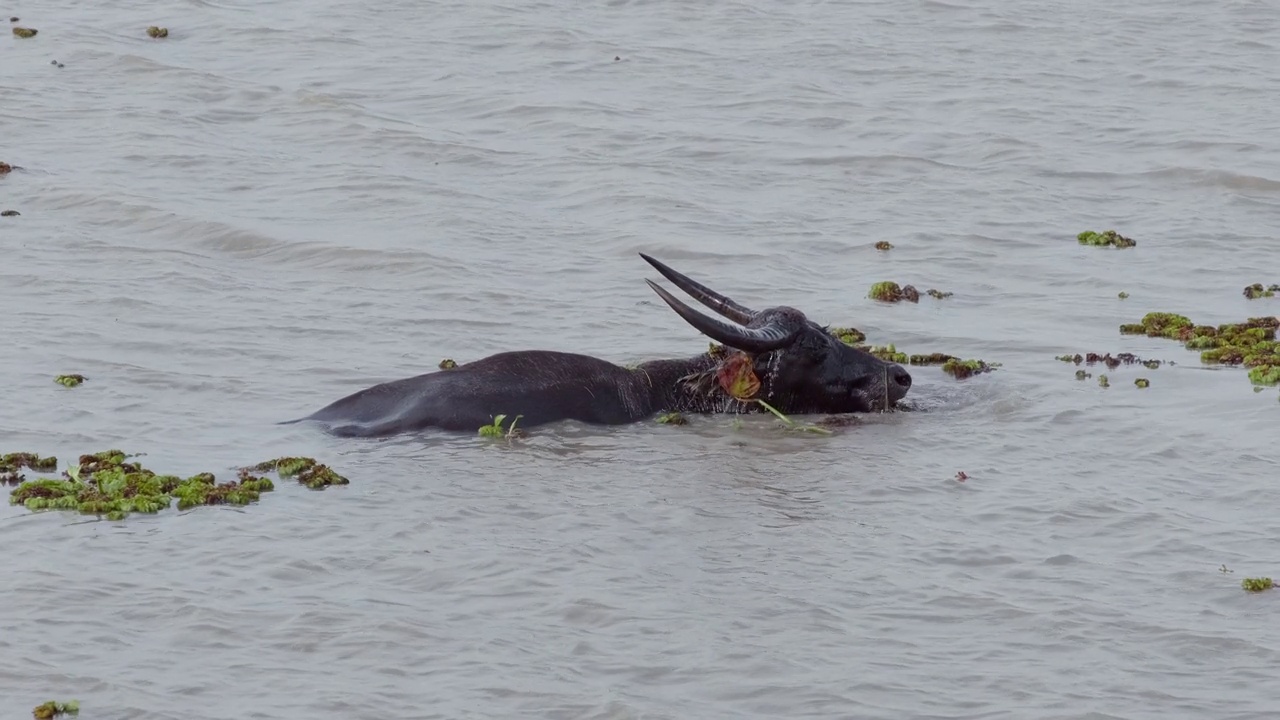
<point x="802" y="368"/>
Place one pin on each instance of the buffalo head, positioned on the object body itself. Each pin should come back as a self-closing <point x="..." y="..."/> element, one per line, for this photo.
<point x="802" y="367"/>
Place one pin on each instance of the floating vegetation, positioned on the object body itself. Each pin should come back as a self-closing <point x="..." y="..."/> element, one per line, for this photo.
<point x="884" y="245"/>
<point x="105" y="484"/>
<point x="158" y="32"/>
<point x="25" y="32"/>
<point x="1103" y="381"/>
<point x="737" y="377"/>
<point x="961" y="369"/>
<point x="1082" y="375"/>
<point x="1251" y="343"/>
<point x="13" y="19"/>
<point x="52" y="709"/>
<point x="70" y="380"/>
<point x="5" y="168"/>
<point x="848" y="335"/>
<point x="1109" y="237"/>
<point x="939" y="294"/>
<point x="9" y="213"/>
<point x="791" y="424"/>
<point x="1256" y="584"/>
<point x="308" y="472"/>
<point x="716" y="350"/>
<point x="1257" y="290"/>
<point x="891" y="292"/>
<point x="55" y="63"/>
<point x="495" y="429"/>
<point x="11" y="464"/>
<point x="672" y="418"/>
<point x="1123" y="295"/>
<point x="888" y="353"/>
<point x="448" y="364"/>
<point x="931" y="359"/>
<point x="1142" y="382"/>
<point x="1112" y="361"/>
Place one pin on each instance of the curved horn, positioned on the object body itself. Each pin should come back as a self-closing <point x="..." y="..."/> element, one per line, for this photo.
<point x="770" y="337"/>
<point x="703" y="294"/>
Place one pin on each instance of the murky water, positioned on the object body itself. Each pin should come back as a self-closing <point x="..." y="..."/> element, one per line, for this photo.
<point x="285" y="202"/>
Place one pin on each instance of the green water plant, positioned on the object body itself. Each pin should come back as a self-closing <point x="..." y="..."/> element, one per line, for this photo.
<point x="1123" y="295"/>
<point x="448" y="364"/>
<point x="158" y="32"/>
<point x="53" y="708"/>
<point x="9" y="213"/>
<point x="888" y="353"/>
<point x="25" y="32"/>
<point x="306" y="470"/>
<point x="1102" y="239"/>
<point x="672" y="418"/>
<point x="938" y="294"/>
<point x="848" y="335"/>
<point x="1142" y="383"/>
<point x="1251" y="343"/>
<point x="891" y="292"/>
<point x="1258" y="290"/>
<point x="961" y="369"/>
<point x="1103" y="381"/>
<point x="70" y="380"/>
<point x="495" y="429"/>
<point x="1257" y="584"/>
<point x="791" y="424"/>
<point x="884" y="245"/>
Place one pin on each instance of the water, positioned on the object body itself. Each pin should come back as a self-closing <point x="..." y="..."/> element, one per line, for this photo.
<point x="284" y="202"/>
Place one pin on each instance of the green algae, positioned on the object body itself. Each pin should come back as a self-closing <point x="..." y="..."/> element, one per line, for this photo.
<point x="1103" y="381"/>
<point x="848" y="335"/>
<point x="936" y="358"/>
<point x="1123" y="295"/>
<point x="884" y="245"/>
<point x="1142" y="382"/>
<point x="70" y="380"/>
<point x="158" y="32"/>
<point x="53" y="708"/>
<point x="25" y="32"/>
<point x="1251" y="343"/>
<point x="1258" y="290"/>
<point x="106" y="484"/>
<point x="308" y="472"/>
<point x="1111" y="361"/>
<point x="672" y="418"/>
<point x="791" y="424"/>
<point x="938" y="294"/>
<point x="961" y="369"/>
<point x="15" y="461"/>
<point x="1105" y="238"/>
<point x="888" y="291"/>
<point x="717" y="350"/>
<point x="1257" y="584"/>
<point x="888" y="353"/>
<point x="1082" y="375"/>
<point x="448" y="364"/>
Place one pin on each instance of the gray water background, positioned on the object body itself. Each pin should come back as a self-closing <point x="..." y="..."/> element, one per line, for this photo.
<point x="286" y="202"/>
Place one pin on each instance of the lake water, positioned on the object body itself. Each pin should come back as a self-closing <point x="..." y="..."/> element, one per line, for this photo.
<point x="282" y="203"/>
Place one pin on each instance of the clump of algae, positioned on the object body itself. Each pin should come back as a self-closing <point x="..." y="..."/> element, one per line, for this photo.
<point x="672" y="418"/>
<point x="53" y="708"/>
<point x="307" y="470"/>
<point x="106" y="484"/>
<point x="1251" y="343"/>
<point x="13" y="462"/>
<point x="884" y="245"/>
<point x="1112" y="361"/>
<point x="961" y="369"/>
<point x="848" y="335"/>
<point x="1257" y="290"/>
<point x="888" y="291"/>
<point x="25" y="32"/>
<point x="1256" y="584"/>
<point x="951" y="364"/>
<point x="448" y="364"/>
<point x="158" y="32"/>
<point x="1102" y="239"/>
<point x="70" y="380"/>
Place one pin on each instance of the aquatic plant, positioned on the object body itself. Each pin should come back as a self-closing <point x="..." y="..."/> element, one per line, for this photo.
<point x="1103" y="381"/>
<point x="1123" y="295"/>
<point x="158" y="32"/>
<point x="1112" y="361"/>
<point x="791" y="424"/>
<point x="961" y="369"/>
<point x="70" y="380"/>
<point x="1101" y="239"/>
<point x="891" y="292"/>
<point x="308" y="472"/>
<point x="495" y="429"/>
<point x="1257" y="290"/>
<point x="1251" y="343"/>
<point x="672" y="418"/>
<point x="939" y="294"/>
<point x="888" y="353"/>
<point x="448" y="364"/>
<point x="25" y="32"/>
<point x="1142" y="382"/>
<point x="9" y="213"/>
<point x="5" y="168"/>
<point x="884" y="245"/>
<point x="848" y="335"/>
<point x="1256" y="584"/>
<point x="1082" y="375"/>
<point x="52" y="709"/>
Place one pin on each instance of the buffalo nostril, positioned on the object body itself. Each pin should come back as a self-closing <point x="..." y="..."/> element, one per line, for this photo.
<point x="901" y="376"/>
